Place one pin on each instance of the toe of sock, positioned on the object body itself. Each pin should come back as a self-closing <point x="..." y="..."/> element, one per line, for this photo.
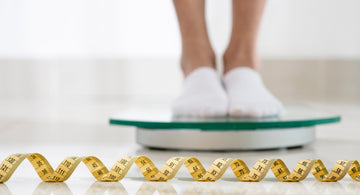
<point x="261" y="109"/>
<point x="238" y="111"/>
<point x="202" y="111"/>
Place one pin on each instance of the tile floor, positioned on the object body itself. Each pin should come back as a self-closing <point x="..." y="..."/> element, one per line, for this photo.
<point x="61" y="129"/>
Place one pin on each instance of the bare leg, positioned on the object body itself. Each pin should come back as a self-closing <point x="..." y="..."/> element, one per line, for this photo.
<point x="242" y="47"/>
<point x="196" y="47"/>
<point x="246" y="92"/>
<point x="203" y="93"/>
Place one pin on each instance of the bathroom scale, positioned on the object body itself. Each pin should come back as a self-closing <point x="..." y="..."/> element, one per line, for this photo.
<point x="158" y="128"/>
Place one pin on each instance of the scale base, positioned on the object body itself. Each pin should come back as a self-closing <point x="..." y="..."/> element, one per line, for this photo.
<point x="195" y="139"/>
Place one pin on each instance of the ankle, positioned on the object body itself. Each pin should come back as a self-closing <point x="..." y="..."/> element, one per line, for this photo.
<point x="193" y="58"/>
<point x="235" y="57"/>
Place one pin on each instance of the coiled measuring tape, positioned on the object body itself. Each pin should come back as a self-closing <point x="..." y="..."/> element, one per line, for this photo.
<point x="172" y="166"/>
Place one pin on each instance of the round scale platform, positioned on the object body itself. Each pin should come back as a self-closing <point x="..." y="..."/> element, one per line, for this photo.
<point x="160" y="129"/>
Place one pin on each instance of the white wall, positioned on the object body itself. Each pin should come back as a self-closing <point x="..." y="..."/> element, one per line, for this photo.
<point x="148" y="29"/>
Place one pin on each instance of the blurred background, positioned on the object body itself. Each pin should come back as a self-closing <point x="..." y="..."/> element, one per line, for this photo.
<point x="66" y="62"/>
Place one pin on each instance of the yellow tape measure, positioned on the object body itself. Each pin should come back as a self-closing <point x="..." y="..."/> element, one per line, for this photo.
<point x="172" y="166"/>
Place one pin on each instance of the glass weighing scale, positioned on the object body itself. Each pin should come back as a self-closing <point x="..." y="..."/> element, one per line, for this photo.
<point x="160" y="129"/>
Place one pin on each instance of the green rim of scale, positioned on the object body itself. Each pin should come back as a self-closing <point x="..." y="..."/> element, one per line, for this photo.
<point x="295" y="117"/>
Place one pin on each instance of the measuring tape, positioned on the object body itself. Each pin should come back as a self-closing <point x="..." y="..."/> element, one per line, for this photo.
<point x="172" y="166"/>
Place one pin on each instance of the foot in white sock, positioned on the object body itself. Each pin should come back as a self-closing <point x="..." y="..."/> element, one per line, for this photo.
<point x="203" y="95"/>
<point x="248" y="95"/>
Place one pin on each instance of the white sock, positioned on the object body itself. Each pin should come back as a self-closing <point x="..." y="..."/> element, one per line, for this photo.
<point x="202" y="95"/>
<point x="248" y="95"/>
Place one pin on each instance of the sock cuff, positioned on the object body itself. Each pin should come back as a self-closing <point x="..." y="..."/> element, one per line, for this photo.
<point x="203" y="73"/>
<point x="241" y="72"/>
